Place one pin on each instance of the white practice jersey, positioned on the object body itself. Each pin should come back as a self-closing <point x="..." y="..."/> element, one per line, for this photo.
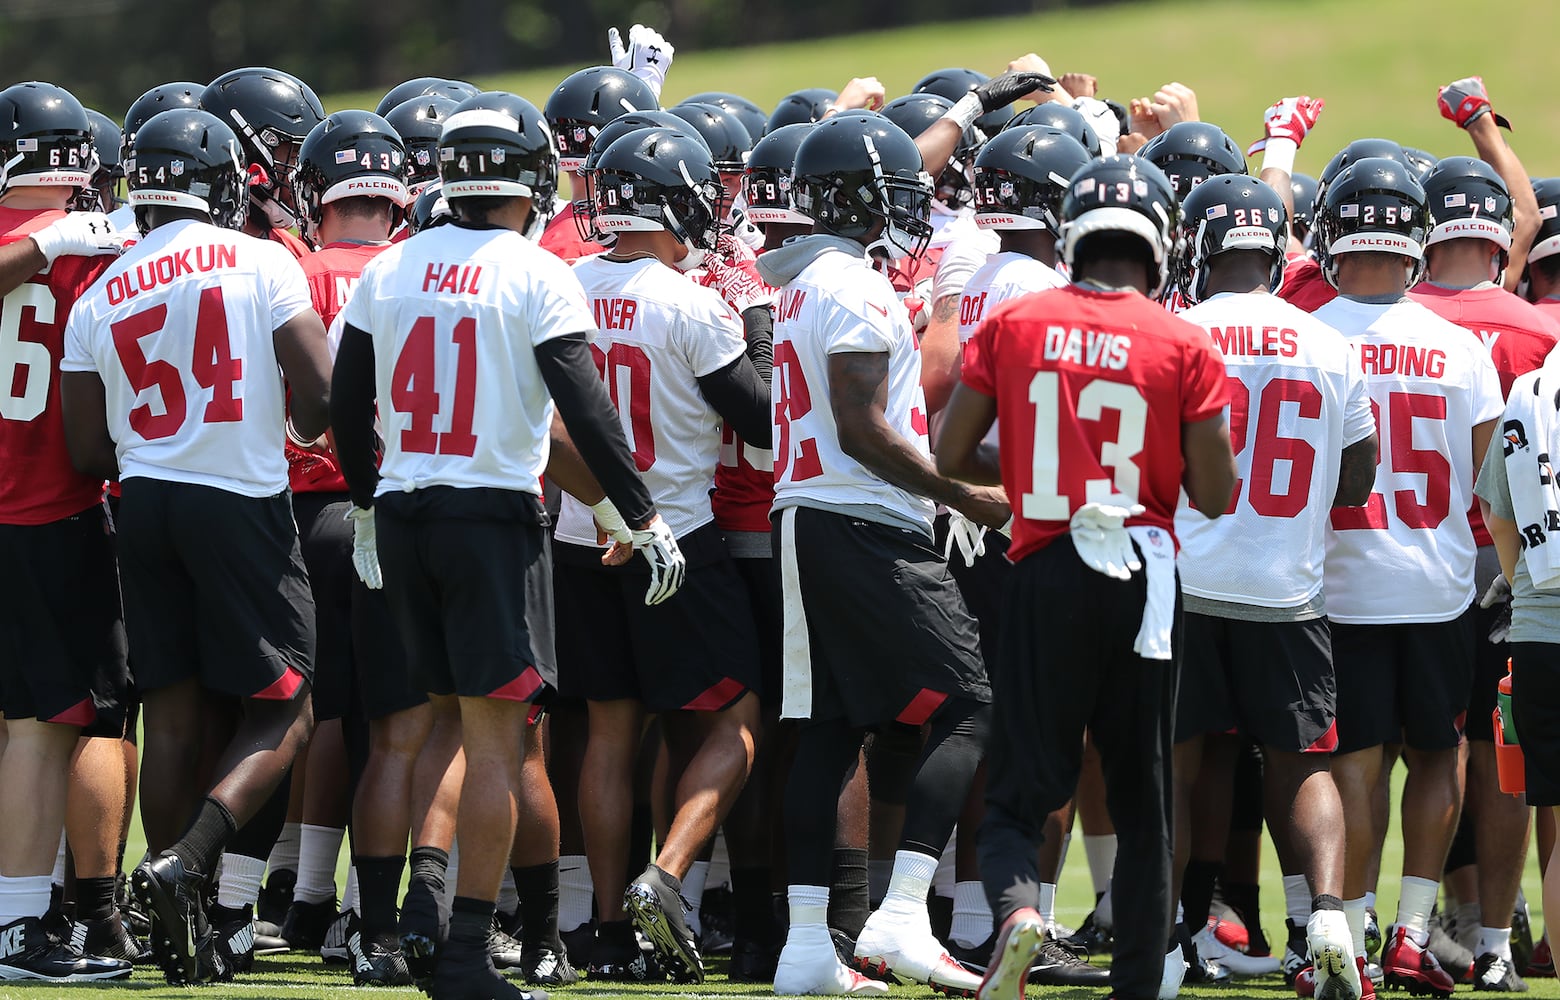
<point x="180" y="330"/>
<point x="968" y="248"/>
<point x="1408" y="554"/>
<point x="839" y="305"/>
<point x="659" y="334"/>
<point x="1005" y="275"/>
<point x="456" y="315"/>
<point x="1297" y="399"/>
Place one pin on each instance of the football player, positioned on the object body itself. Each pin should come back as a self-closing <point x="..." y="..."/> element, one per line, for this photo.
<point x="1543" y="264"/>
<point x="675" y="360"/>
<point x="854" y="492"/>
<point x="217" y="599"/>
<point x="66" y="675"/>
<point x="1399" y="574"/>
<point x="1093" y="543"/>
<point x="271" y="112"/>
<point x="458" y="495"/>
<point x="160" y="98"/>
<point x="1255" y="639"/>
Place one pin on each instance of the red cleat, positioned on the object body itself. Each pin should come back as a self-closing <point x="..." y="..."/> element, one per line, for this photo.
<point x="1409" y="965"/>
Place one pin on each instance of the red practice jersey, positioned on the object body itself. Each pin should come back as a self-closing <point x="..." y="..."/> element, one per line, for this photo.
<point x="562" y="238"/>
<point x="39" y="485"/>
<point x="294" y="245"/>
<point x="1092" y="389"/>
<point x="1549" y="307"/>
<point x="1305" y="286"/>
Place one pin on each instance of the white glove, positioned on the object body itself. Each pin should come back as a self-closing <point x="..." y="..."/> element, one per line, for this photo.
<point x="84" y="234"/>
<point x="1499" y="592"/>
<point x="966" y="536"/>
<point x="1099" y="534"/>
<point x="365" y="547"/>
<point x="611" y="522"/>
<point x="648" y="55"/>
<point x="667" y="565"/>
<point x="1006" y="531"/>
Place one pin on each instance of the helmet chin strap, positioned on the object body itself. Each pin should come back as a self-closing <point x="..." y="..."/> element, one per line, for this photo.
<point x="277" y="214"/>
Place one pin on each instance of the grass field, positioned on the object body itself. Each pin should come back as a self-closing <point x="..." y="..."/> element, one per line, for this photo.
<point x="1377" y="64"/>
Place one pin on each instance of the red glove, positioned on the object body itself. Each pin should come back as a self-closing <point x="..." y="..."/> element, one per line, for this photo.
<point x="1289" y="118"/>
<point x="732" y="271"/>
<point x="1465" y="101"/>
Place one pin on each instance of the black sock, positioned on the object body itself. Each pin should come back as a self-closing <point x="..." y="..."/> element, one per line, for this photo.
<point x="849" y="903"/>
<point x="470" y="922"/>
<point x="1197" y="891"/>
<point x="202" y="844"/>
<point x="378" y="880"/>
<point x="752" y="905"/>
<point x="94" y="897"/>
<point x="1243" y="898"/>
<point x="537" y="887"/>
<point x="423" y="909"/>
<point x="1325" y="902"/>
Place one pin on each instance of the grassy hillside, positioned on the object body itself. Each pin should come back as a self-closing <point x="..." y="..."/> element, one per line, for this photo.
<point x="1377" y="64"/>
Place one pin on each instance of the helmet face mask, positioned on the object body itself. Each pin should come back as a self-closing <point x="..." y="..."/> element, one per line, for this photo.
<point x="860" y="178"/>
<point x="187" y="159"/>
<point x="271" y="112"/>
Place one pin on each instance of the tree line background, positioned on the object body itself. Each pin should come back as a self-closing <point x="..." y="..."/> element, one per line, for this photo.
<point x="108" y="52"/>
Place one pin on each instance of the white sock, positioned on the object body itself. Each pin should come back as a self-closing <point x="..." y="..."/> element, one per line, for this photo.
<point x="1496" y="940"/>
<point x="284" y="854"/>
<point x="1104" y="915"/>
<point x="349" y="899"/>
<point x="574" y="892"/>
<point x="972" y="918"/>
<point x="319" y="848"/>
<point x="911" y="881"/>
<point x="1101" y="852"/>
<point x="809" y="905"/>
<point x="239" y="884"/>
<point x="58" y="878"/>
<point x="1415" y="901"/>
<point x="1297" y="899"/>
<point x="24" y="896"/>
<point x="1354" y="912"/>
<point x="693" y="891"/>
<point x="508" y="898"/>
<point x="1048" y="902"/>
<point x="1370" y="899"/>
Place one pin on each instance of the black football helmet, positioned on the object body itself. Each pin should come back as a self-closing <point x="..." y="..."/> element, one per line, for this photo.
<point x="1304" y="188"/>
<point x="1229" y="212"/>
<point x="271" y="112"/>
<point x="424" y="86"/>
<point x="658" y="179"/>
<point x="1467" y="199"/>
<point x="766" y="185"/>
<point x="1191" y="152"/>
<point x="1546" y="242"/>
<point x="187" y="158"/>
<point x="45" y="138"/>
<point x="1122" y="194"/>
<point x="1372" y="205"/>
<point x="585" y="206"/>
<point x="1421" y="162"/>
<point x="752" y="117"/>
<point x="1357" y="150"/>
<point x="1054" y="114"/>
<point x="106" y="140"/>
<point x="419" y="122"/>
<point x="807" y="105"/>
<point x="161" y="98"/>
<point x="585" y="102"/>
<point x="855" y="175"/>
<point x="723" y="132"/>
<point x="953" y="83"/>
<point x="915" y="113"/>
<point x="1021" y="177"/>
<point x="429" y="209"/>
<point x="351" y="154"/>
<point x="497" y="144"/>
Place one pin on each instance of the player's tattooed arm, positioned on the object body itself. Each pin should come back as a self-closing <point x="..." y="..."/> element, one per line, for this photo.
<point x="1356" y="473"/>
<point x="858" y="396"/>
<point x="86" y="424"/>
<point x="940" y="355"/>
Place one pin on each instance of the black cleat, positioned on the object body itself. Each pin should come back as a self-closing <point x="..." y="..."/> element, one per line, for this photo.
<point x="171" y="895"/>
<point x="1495" y="974"/>
<point x="29" y="952"/>
<point x="504" y="950"/>
<point x="1058" y="965"/>
<point x="234" y="939"/>
<point x="659" y="912"/>
<point x="546" y="965"/>
<point x="477" y="983"/>
<point x="333" y="950"/>
<point x="275" y="899"/>
<point x="752" y="962"/>
<point x="377" y="962"/>
<point x="616" y="956"/>
<point x="306" y="924"/>
<point x="1092" y="937"/>
<point x="108" y="938"/>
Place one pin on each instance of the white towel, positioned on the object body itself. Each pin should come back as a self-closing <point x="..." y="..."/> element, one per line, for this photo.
<point x="1530" y="437"/>
<point x="1158" y="548"/>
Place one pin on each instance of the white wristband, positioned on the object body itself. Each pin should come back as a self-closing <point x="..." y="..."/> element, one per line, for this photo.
<point x="1279" y="154"/>
<point x="966" y="110"/>
<point x="611" y="521"/>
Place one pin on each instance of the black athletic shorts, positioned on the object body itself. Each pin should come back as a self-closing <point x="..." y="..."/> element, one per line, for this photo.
<point x="697" y="651"/>
<point x="1405" y="683"/>
<point x="468" y="577"/>
<point x="383" y="676"/>
<point x="326" y="538"/>
<point x="884" y="635"/>
<point x="1271" y="681"/>
<point x="1489" y="666"/>
<point x="62" y="632"/>
<point x="981" y="584"/>
<point x="215" y="588"/>
<point x="1535" y="703"/>
<point x="761" y="576"/>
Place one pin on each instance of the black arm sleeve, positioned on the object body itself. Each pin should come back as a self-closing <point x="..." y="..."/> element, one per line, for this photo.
<point x="758" y="326"/>
<point x="352" y="414"/>
<point x="592" y="421"/>
<point x="739" y="397"/>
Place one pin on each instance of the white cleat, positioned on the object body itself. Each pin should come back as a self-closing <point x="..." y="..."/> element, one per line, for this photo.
<point x="903" y="943"/>
<point x="1175" y="972"/>
<point x="809" y="967"/>
<point x="1337" y="975"/>
<point x="1018" y="943"/>
<point x="1238" y="962"/>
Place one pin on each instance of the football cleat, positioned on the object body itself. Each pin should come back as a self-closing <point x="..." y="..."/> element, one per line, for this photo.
<point x="810" y="965"/>
<point x="617" y="957"/>
<point x="504" y="950"/>
<point x="1542" y="964"/>
<point x="1229" y="931"/>
<point x="752" y="962"/>
<point x="1335" y="975"/>
<point x="1198" y="968"/>
<point x="1409" y="965"/>
<point x="1058" y="965"/>
<point x="108" y="938"/>
<point x="901" y="942"/>
<point x="1493" y="973"/>
<point x="275" y="899"/>
<point x="543" y="965"/>
<point x="1093" y="935"/>
<point x="1174" y="974"/>
<point x="452" y="982"/>
<point x="1018" y="944"/>
<point x="306" y="924"/>
<point x="376" y="962"/>
<point x="1296" y="953"/>
<point x="29" y="952"/>
<point x="173" y="897"/>
<point x="333" y="949"/>
<point x="1372" y="934"/>
<point x="660" y="914"/>
<point x="1454" y="958"/>
<point x="234" y="939"/>
<point x="1238" y="963"/>
<point x="1305" y="982"/>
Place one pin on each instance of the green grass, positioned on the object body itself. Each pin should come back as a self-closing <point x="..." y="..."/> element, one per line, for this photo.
<point x="1377" y="64"/>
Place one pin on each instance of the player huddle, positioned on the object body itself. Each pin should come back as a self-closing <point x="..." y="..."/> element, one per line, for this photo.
<point x="923" y="473"/>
